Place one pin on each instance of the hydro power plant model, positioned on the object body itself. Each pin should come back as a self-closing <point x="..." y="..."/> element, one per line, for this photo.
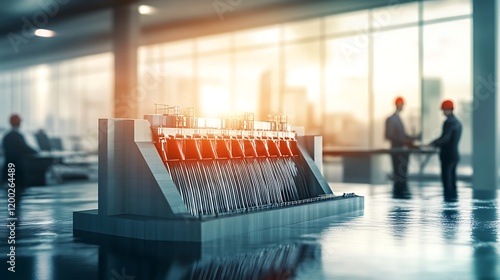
<point x="175" y="177"/>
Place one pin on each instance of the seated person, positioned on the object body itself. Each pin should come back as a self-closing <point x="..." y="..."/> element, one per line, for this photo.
<point x="16" y="151"/>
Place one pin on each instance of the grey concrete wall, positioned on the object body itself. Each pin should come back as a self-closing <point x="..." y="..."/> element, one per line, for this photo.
<point x="132" y="177"/>
<point x="312" y="161"/>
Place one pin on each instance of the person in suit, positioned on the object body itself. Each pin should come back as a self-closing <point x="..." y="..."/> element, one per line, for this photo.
<point x="448" y="149"/>
<point x="396" y="134"/>
<point x="16" y="151"/>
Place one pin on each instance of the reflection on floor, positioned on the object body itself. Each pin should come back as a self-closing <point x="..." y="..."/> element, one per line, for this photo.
<point x="418" y="236"/>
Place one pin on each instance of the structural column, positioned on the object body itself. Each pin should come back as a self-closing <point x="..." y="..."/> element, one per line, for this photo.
<point x="125" y="39"/>
<point x="484" y="110"/>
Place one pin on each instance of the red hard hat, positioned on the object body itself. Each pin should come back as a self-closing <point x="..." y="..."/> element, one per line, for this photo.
<point x="15" y="120"/>
<point x="447" y="105"/>
<point x="399" y="101"/>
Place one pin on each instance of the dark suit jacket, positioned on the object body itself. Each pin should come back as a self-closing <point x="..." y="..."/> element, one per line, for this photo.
<point x="395" y="132"/>
<point x="448" y="141"/>
<point x="15" y="150"/>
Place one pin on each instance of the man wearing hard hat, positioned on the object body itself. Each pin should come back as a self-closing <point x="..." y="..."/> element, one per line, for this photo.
<point x="396" y="134"/>
<point x="448" y="149"/>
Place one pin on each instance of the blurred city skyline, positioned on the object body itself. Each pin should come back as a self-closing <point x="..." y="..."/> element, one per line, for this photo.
<point x="335" y="75"/>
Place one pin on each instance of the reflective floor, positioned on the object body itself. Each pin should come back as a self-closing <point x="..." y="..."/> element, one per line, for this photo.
<point x="417" y="237"/>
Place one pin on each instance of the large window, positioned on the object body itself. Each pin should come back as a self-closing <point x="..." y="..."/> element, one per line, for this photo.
<point x="347" y="99"/>
<point x="336" y="75"/>
<point x="255" y="79"/>
<point x="395" y="73"/>
<point x="301" y="99"/>
<point x="214" y="85"/>
<point x="65" y="99"/>
<point x="447" y="75"/>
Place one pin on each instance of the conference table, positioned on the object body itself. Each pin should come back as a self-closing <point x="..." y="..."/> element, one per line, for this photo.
<point x="36" y="167"/>
<point x="370" y="165"/>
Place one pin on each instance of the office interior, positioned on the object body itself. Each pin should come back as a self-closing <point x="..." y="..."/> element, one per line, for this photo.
<point x="332" y="67"/>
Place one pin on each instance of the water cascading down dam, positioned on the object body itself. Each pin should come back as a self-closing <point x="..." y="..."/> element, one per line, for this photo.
<point x="175" y="177"/>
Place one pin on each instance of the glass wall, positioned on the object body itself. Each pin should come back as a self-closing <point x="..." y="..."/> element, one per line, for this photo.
<point x="214" y="85"/>
<point x="336" y="75"/>
<point x="347" y="110"/>
<point x="302" y="81"/>
<point x="395" y="73"/>
<point x="327" y="63"/>
<point x="65" y="99"/>
<point x="446" y="75"/>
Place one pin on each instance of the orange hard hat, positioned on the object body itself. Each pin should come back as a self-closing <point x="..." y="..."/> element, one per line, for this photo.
<point x="399" y="101"/>
<point x="447" y="105"/>
<point x="15" y="120"/>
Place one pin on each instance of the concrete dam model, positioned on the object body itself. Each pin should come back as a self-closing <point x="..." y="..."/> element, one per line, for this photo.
<point x="173" y="177"/>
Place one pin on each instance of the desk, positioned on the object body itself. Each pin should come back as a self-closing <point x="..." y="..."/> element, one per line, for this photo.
<point x="365" y="165"/>
<point x="61" y="154"/>
<point x="69" y="165"/>
<point x="36" y="167"/>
